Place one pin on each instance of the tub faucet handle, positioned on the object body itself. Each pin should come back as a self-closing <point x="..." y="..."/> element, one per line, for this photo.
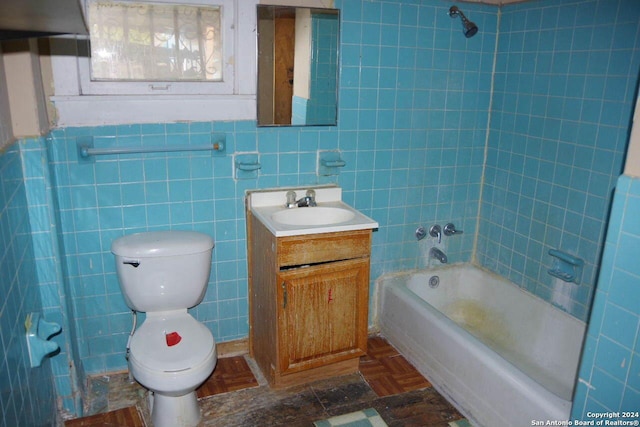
<point x="450" y="230"/>
<point x="436" y="231"/>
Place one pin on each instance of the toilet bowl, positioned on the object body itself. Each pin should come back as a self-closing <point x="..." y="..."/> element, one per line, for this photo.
<point x="171" y="353"/>
<point x="174" y="372"/>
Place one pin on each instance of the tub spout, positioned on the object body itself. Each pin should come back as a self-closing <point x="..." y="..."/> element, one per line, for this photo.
<point x="438" y="254"/>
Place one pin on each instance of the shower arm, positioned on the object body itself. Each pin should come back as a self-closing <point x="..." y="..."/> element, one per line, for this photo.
<point x="454" y="12"/>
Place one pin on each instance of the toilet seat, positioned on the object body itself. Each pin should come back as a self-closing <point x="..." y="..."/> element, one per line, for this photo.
<point x="151" y="348"/>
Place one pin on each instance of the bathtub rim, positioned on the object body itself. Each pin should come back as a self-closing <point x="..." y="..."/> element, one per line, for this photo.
<point x="396" y="275"/>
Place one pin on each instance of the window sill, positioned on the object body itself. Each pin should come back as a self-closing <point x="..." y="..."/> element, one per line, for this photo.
<point x="91" y="110"/>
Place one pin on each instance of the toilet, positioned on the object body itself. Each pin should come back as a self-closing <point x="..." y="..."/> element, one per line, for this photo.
<point x="163" y="273"/>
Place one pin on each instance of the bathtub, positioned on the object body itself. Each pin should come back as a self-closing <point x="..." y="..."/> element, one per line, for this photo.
<point x="502" y="356"/>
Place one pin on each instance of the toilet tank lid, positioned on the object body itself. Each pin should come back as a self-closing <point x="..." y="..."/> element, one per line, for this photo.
<point x="161" y="243"/>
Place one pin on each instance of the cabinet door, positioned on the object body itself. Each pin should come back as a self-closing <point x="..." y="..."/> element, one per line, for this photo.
<point x="323" y="314"/>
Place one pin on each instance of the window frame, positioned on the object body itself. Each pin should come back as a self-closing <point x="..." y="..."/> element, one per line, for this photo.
<point x="150" y="87"/>
<point x="71" y="107"/>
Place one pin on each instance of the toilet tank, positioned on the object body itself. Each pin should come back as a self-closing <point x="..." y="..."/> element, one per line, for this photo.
<point x="163" y="270"/>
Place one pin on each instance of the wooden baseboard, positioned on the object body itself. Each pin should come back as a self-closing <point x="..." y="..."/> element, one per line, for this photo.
<point x="233" y="348"/>
<point x="337" y="369"/>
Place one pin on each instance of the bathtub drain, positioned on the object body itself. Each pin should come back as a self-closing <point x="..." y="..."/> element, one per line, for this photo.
<point x="434" y="281"/>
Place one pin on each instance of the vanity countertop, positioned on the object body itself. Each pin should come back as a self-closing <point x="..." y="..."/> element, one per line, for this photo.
<point x="267" y="206"/>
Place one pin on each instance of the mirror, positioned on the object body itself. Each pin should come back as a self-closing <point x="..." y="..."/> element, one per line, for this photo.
<point x="297" y="66"/>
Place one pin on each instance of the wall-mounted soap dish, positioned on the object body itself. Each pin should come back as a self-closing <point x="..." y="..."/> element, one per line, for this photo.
<point x="329" y="163"/>
<point x="247" y="165"/>
<point x="39" y="333"/>
<point x="566" y="266"/>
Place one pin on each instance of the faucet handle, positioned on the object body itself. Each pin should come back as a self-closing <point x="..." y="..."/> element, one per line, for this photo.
<point x="450" y="230"/>
<point x="291" y="199"/>
<point x="436" y="231"/>
<point x="311" y="194"/>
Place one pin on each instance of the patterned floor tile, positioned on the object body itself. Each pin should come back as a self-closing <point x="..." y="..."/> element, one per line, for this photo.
<point x="387" y="371"/>
<point x="365" y="418"/>
<point x="231" y="374"/>
<point x="378" y="348"/>
<point x="129" y="417"/>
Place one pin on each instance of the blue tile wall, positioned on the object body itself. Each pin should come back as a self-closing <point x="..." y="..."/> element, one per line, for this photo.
<point x="610" y="366"/>
<point x="324" y="79"/>
<point x="27" y="395"/>
<point x="114" y="195"/>
<point x="299" y="111"/>
<point x="564" y="89"/>
<point x="44" y="223"/>
<point x="417" y="145"/>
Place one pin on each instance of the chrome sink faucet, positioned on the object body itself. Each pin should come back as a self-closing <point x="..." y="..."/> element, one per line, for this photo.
<point x="309" y="200"/>
<point x="438" y="254"/>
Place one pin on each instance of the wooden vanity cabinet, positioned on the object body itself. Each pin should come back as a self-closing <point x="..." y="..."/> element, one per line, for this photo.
<point x="308" y="303"/>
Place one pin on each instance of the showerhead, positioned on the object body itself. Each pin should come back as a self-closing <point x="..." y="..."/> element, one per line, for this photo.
<point x="469" y="29"/>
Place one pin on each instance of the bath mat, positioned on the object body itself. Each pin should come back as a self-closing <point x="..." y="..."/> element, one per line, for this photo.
<point x="365" y="418"/>
<point x="460" y="423"/>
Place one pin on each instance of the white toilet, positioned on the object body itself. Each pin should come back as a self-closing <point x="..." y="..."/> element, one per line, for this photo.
<point x="163" y="273"/>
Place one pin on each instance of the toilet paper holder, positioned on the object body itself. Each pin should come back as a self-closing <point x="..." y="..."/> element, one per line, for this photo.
<point x="39" y="332"/>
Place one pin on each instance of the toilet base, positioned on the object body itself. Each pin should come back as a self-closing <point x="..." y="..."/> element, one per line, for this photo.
<point x="172" y="411"/>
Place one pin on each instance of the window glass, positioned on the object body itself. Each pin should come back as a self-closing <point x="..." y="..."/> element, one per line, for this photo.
<point x="155" y="42"/>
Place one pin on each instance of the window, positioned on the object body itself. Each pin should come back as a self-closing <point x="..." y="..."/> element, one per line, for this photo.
<point x="184" y="83"/>
<point x="154" y="42"/>
<point x="137" y="47"/>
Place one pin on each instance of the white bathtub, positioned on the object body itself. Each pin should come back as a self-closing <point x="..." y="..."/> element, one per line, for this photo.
<point x="502" y="356"/>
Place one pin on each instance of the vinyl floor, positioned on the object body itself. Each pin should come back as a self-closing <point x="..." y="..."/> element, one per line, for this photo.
<point x="237" y="395"/>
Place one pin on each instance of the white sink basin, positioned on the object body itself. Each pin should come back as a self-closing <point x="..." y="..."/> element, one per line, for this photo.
<point x="331" y="215"/>
<point x="313" y="216"/>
